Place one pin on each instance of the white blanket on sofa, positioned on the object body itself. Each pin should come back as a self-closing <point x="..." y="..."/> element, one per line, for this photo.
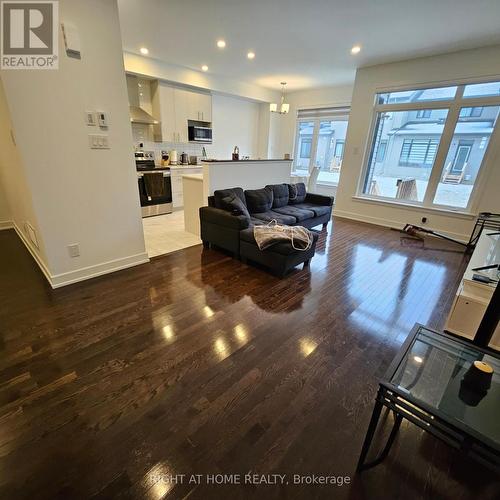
<point x="267" y="235"/>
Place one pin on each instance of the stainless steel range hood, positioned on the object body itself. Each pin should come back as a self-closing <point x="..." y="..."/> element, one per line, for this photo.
<point x="137" y="114"/>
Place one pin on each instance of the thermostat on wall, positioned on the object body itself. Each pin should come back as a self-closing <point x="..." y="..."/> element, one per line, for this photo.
<point x="102" y="118"/>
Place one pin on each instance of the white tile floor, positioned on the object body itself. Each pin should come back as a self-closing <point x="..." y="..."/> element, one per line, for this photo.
<point x="165" y="234"/>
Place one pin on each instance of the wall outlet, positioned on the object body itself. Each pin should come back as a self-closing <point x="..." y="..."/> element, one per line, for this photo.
<point x="74" y="250"/>
<point x="90" y="119"/>
<point x="98" y="141"/>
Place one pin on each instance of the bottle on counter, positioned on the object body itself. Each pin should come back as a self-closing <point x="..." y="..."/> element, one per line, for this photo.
<point x="236" y="153"/>
<point x="164" y="158"/>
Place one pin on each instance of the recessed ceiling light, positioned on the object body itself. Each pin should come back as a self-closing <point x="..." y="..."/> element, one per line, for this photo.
<point x="204" y="67"/>
<point x="251" y="55"/>
<point x="144" y="50"/>
<point x="418" y="359"/>
<point x="221" y="44"/>
<point x="356" y="49"/>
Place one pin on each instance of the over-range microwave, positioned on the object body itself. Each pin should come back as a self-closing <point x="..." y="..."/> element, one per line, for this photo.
<point x="200" y="134"/>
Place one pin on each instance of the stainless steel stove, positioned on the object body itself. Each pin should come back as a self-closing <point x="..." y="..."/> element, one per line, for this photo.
<point x="145" y="164"/>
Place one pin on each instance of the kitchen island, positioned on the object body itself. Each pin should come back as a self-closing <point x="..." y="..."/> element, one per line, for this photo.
<point x="222" y="174"/>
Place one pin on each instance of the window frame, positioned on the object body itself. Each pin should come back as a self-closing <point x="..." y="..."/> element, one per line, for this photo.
<point x="304" y="142"/>
<point x="453" y="106"/>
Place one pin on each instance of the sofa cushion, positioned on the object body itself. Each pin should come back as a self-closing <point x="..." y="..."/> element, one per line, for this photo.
<point x="270" y="215"/>
<point x="280" y="195"/>
<point x="297" y="193"/>
<point x="233" y="204"/>
<point x="318" y="210"/>
<point x="299" y="213"/>
<point x="259" y="200"/>
<point x="220" y="194"/>
<point x="284" y="248"/>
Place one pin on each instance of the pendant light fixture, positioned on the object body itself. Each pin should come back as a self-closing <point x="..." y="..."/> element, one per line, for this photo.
<point x="284" y="106"/>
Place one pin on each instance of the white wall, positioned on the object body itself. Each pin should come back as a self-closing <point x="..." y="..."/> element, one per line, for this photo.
<point x="16" y="192"/>
<point x="80" y="195"/>
<point x="459" y="67"/>
<point x="235" y="123"/>
<point x="5" y="213"/>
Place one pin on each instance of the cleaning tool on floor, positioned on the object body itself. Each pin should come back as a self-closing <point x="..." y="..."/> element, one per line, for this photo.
<point x="415" y="230"/>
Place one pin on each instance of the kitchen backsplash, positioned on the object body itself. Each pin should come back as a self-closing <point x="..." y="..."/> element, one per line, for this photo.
<point x="143" y="134"/>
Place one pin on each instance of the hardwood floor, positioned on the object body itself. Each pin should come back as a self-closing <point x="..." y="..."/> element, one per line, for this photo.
<point x="199" y="364"/>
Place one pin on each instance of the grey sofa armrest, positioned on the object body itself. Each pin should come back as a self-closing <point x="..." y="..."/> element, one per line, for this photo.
<point x="319" y="199"/>
<point x="223" y="218"/>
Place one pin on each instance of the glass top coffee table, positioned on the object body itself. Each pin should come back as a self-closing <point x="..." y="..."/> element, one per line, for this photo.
<point x="424" y="385"/>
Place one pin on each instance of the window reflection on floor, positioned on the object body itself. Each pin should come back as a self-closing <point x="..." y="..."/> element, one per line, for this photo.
<point x="387" y="302"/>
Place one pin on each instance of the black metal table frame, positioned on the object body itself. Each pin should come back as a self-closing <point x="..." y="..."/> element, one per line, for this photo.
<point x="429" y="419"/>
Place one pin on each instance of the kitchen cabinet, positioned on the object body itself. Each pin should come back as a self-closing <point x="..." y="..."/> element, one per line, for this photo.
<point x="173" y="107"/>
<point x="182" y="102"/>
<point x="163" y="104"/>
<point x="176" y="181"/>
<point x="201" y="107"/>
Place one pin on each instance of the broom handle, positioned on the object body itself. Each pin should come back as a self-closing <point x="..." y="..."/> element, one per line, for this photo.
<point x="423" y="230"/>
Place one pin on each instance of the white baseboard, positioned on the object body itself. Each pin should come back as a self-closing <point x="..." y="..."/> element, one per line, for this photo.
<point x="33" y="253"/>
<point x="6" y="224"/>
<point x="85" y="273"/>
<point x="391" y="223"/>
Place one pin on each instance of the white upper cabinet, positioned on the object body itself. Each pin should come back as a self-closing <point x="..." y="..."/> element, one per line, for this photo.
<point x="183" y="99"/>
<point x="164" y="111"/>
<point x="201" y="107"/>
<point x="173" y="107"/>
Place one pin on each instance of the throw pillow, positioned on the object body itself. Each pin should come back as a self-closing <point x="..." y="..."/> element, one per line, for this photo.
<point x="259" y="200"/>
<point x="224" y="193"/>
<point x="233" y="204"/>
<point x="297" y="193"/>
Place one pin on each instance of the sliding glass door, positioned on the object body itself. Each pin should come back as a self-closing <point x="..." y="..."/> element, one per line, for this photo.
<point x="320" y="141"/>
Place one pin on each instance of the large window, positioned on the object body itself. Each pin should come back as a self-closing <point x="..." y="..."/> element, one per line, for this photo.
<point x="320" y="141"/>
<point x="428" y="145"/>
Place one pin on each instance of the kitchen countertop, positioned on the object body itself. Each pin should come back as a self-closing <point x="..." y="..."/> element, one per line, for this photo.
<point x="243" y="161"/>
<point x="181" y="167"/>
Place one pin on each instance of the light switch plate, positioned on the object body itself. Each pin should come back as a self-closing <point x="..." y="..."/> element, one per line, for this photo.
<point x="90" y="118"/>
<point x="74" y="250"/>
<point x="98" y="141"/>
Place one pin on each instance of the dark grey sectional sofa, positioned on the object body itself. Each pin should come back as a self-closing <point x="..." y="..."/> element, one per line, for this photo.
<point x="228" y="220"/>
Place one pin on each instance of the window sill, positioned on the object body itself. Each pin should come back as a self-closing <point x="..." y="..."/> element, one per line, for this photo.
<point x="449" y="213"/>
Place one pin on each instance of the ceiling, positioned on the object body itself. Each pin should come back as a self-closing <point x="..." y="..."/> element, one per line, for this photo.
<point x="304" y="42"/>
